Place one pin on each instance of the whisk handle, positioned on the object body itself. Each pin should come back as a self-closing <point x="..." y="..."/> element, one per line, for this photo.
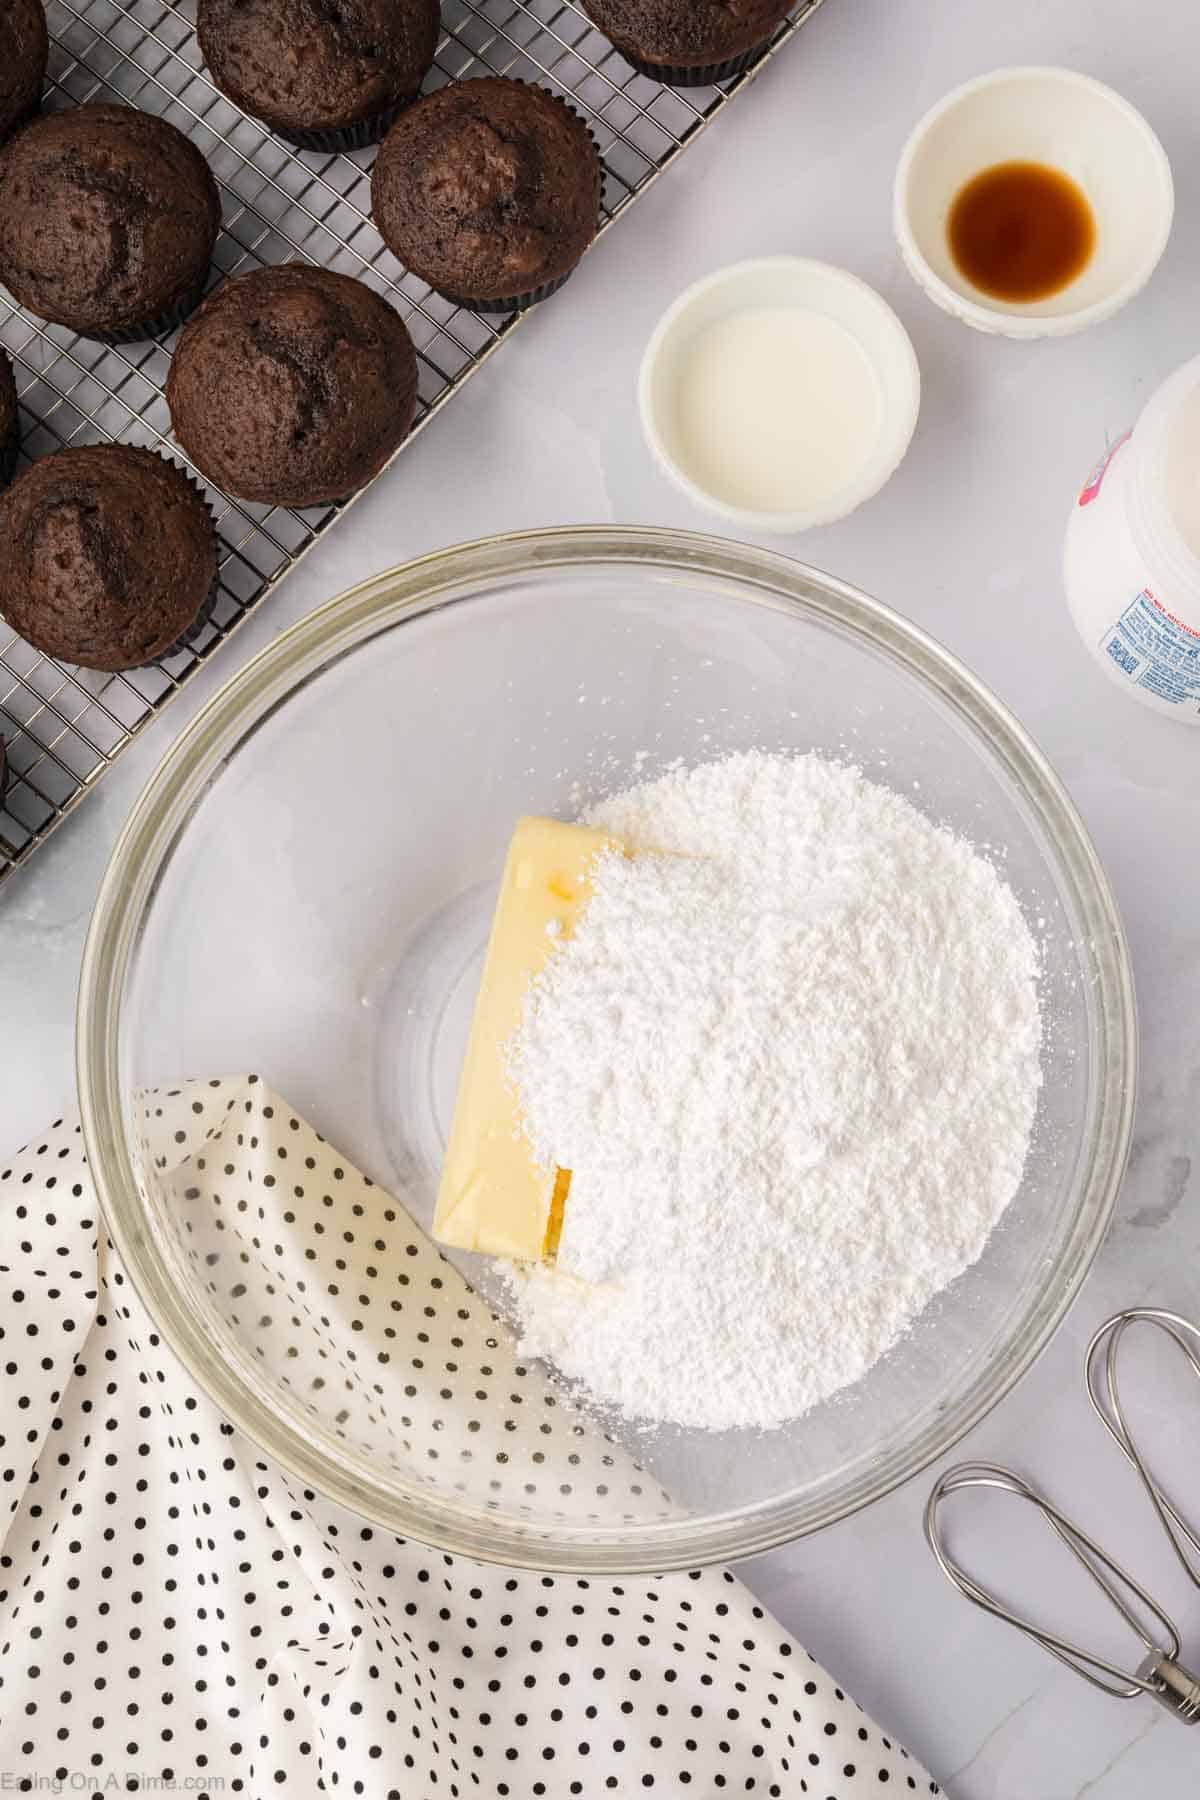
<point x="1173" y="1686"/>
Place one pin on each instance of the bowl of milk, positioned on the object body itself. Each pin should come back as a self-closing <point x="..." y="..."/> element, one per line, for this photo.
<point x="779" y="393"/>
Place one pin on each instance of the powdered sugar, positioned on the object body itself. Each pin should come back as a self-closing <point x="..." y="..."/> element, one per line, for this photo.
<point x="792" y="1062"/>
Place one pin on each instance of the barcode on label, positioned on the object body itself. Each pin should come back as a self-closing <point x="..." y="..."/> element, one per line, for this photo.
<point x="1122" y="657"/>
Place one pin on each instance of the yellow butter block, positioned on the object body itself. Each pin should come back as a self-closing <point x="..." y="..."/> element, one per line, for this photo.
<point x="493" y="1196"/>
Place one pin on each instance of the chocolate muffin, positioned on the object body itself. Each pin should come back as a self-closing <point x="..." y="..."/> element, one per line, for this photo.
<point x="688" y="43"/>
<point x="489" y="190"/>
<point x="24" y="49"/>
<point x="108" y="556"/>
<point x="108" y="217"/>
<point x="10" y="422"/>
<point x="325" y="77"/>
<point x="293" y="386"/>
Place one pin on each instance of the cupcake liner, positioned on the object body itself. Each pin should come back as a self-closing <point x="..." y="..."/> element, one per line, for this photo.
<point x="517" y="304"/>
<point x="345" y="137"/>
<point x="205" y="612"/>
<point x="165" y="322"/>
<point x="26" y="118"/>
<point x="188" y="637"/>
<point x="679" y="76"/>
<point x="9" y="448"/>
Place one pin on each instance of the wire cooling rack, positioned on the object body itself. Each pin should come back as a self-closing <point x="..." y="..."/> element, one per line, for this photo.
<point x="63" y="727"/>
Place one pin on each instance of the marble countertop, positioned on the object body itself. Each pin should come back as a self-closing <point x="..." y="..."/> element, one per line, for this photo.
<point x="966" y="539"/>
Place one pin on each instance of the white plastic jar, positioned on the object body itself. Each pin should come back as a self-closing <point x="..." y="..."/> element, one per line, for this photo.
<point x="1132" y="559"/>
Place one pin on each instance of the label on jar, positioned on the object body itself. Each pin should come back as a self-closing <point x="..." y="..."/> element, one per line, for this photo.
<point x="1095" y="480"/>
<point x="1156" y="651"/>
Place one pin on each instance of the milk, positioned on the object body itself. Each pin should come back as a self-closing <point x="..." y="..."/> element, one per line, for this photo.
<point x="776" y="409"/>
<point x="779" y="393"/>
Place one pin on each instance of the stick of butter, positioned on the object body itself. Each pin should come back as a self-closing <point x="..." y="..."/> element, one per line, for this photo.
<point x="493" y="1196"/>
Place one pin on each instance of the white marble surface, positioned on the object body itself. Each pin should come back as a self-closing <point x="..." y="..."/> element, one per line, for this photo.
<point x="966" y="539"/>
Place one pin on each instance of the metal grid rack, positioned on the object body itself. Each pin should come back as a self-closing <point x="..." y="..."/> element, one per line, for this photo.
<point x="62" y="726"/>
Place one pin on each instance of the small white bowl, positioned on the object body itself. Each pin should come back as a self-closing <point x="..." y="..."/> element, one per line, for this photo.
<point x="1045" y="115"/>
<point x="810" y="287"/>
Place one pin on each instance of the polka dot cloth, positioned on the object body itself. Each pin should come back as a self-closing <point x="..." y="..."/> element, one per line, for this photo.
<point x="304" y="1266"/>
<point x="177" y="1613"/>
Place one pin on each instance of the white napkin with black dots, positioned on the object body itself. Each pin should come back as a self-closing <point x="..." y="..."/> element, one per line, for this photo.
<point x="176" y="1612"/>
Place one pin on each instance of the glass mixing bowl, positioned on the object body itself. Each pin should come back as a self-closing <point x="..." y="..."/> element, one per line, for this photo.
<point x="304" y="890"/>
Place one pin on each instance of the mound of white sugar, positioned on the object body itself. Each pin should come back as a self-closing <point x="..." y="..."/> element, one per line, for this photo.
<point x="793" y="1068"/>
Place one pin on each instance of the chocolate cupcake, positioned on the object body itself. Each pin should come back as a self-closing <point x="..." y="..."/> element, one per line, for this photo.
<point x="108" y="217"/>
<point x="108" y="556"/>
<point x="24" y="49"/>
<point x="10" y="422"/>
<point x="688" y="43"/>
<point x="489" y="190"/>
<point x="293" y="386"/>
<point x="324" y="77"/>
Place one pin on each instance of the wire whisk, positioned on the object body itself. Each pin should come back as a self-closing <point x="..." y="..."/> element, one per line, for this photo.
<point x="1107" y="1404"/>
<point x="1160" y="1673"/>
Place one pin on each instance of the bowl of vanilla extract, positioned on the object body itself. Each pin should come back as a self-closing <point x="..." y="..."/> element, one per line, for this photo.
<point x="1033" y="202"/>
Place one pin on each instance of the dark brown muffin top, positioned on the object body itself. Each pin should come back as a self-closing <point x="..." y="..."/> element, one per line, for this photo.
<point x="108" y="554"/>
<point x="311" y="65"/>
<point x="293" y="386"/>
<point x="108" y="217"/>
<point x="24" y="48"/>
<point x="686" y="32"/>
<point x="488" y="189"/>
